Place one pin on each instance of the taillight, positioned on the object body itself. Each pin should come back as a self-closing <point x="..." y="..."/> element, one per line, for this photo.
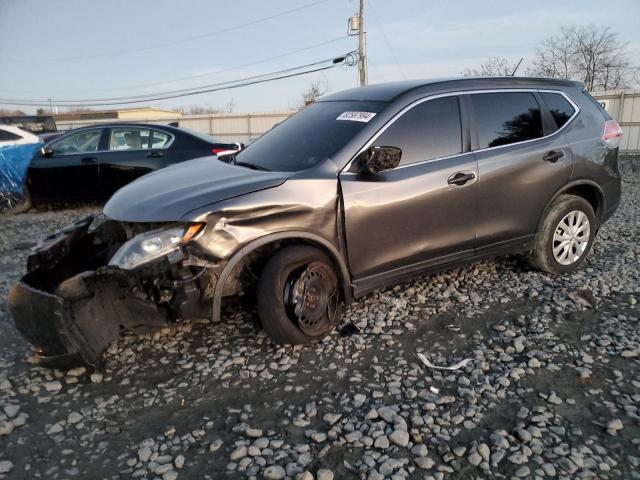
<point x="216" y="151"/>
<point x="612" y="133"/>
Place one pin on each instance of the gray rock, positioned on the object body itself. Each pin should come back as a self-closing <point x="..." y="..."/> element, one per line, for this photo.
<point x="400" y="438"/>
<point x="239" y="453"/>
<point x="5" y="466"/>
<point x="324" y="474"/>
<point x="274" y="472"/>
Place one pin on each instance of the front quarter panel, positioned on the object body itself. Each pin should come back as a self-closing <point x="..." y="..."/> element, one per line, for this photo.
<point x="298" y="205"/>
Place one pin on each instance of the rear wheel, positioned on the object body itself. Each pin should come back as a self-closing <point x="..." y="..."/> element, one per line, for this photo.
<point x="566" y="235"/>
<point x="298" y="295"/>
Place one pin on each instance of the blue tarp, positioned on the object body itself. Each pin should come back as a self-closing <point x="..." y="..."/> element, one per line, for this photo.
<point x="14" y="163"/>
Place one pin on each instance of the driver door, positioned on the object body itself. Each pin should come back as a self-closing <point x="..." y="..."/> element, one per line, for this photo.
<point x="70" y="172"/>
<point x="408" y="219"/>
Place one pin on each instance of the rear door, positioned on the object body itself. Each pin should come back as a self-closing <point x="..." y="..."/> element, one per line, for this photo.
<point x="414" y="216"/>
<point x="131" y="152"/>
<point x="71" y="171"/>
<point x="522" y="162"/>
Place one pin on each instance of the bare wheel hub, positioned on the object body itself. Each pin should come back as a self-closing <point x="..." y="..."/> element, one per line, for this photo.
<point x="308" y="295"/>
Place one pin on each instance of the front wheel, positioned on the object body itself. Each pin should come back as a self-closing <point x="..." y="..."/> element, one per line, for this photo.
<point x="566" y="235"/>
<point x="298" y="295"/>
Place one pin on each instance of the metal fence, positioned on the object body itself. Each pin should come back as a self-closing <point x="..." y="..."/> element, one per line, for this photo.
<point x="624" y="106"/>
<point x="232" y="127"/>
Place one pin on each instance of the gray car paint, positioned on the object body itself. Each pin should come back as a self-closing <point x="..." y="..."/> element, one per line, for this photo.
<point x="437" y="224"/>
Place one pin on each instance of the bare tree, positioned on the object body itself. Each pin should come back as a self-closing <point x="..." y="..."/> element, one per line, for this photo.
<point x="315" y="91"/>
<point x="493" y="67"/>
<point x="199" y="110"/>
<point x="591" y="54"/>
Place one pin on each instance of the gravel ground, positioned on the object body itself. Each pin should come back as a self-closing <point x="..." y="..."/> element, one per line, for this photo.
<point x="551" y="388"/>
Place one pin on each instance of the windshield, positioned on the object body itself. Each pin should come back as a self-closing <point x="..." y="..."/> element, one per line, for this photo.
<point x="310" y="136"/>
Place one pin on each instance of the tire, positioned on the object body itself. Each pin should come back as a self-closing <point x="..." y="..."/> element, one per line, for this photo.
<point x="566" y="218"/>
<point x="298" y="296"/>
<point x="23" y="205"/>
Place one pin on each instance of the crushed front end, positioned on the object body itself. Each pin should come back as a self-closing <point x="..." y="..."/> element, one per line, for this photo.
<point x="98" y="277"/>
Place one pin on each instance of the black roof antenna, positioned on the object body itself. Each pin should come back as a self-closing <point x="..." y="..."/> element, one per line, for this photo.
<point x="517" y="66"/>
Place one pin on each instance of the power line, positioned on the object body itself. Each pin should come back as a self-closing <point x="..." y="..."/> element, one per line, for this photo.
<point x="174" y="42"/>
<point x="236" y="67"/>
<point x="171" y="92"/>
<point x="230" y="85"/>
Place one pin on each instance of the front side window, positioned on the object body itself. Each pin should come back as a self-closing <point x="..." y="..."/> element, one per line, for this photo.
<point x="85" y="141"/>
<point x="429" y="130"/>
<point x="506" y="117"/>
<point x="310" y="136"/>
<point x="129" y="138"/>
<point x="559" y="107"/>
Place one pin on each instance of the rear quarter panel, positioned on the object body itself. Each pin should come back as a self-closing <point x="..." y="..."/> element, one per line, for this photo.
<point x="594" y="160"/>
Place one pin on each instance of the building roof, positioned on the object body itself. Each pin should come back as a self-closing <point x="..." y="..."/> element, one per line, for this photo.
<point x="114" y="113"/>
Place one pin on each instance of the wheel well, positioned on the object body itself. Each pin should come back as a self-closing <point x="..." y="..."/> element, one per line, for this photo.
<point x="591" y="194"/>
<point x="245" y="274"/>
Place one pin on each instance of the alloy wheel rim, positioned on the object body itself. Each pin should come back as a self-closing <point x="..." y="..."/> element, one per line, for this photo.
<point x="571" y="237"/>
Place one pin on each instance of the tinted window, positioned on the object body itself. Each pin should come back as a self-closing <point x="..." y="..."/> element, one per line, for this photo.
<point x="310" y="136"/>
<point x="79" y="142"/>
<point x="6" y="136"/>
<point x="561" y="110"/>
<point x="429" y="130"/>
<point x="129" y="138"/>
<point x="504" y="118"/>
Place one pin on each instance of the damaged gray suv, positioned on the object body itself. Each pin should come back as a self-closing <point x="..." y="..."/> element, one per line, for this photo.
<point x="365" y="188"/>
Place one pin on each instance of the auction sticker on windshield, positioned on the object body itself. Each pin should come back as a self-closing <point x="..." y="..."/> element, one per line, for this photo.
<point x="356" y="116"/>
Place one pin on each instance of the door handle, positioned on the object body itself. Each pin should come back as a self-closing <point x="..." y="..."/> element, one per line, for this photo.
<point x="89" y="160"/>
<point x="460" y="178"/>
<point x="154" y="154"/>
<point x="553" y="156"/>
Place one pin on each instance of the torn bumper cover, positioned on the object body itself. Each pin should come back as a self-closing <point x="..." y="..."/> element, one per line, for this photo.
<point x="72" y="305"/>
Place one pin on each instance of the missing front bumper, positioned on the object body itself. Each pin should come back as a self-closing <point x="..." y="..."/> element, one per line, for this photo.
<point x="71" y="305"/>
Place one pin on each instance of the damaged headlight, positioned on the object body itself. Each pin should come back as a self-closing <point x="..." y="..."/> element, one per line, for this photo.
<point x="152" y="245"/>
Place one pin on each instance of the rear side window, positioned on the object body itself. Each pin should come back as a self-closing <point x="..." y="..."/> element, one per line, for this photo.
<point x="129" y="138"/>
<point x="7" y="136"/>
<point x="559" y="107"/>
<point x="160" y="139"/>
<point x="429" y="130"/>
<point x="506" y="118"/>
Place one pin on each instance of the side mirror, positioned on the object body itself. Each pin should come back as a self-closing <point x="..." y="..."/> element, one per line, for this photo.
<point x="378" y="159"/>
<point x="46" y="152"/>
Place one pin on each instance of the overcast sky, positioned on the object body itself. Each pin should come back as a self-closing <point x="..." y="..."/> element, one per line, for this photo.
<point x="78" y="49"/>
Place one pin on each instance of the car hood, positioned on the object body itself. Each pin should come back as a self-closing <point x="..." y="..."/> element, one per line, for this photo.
<point x="170" y="193"/>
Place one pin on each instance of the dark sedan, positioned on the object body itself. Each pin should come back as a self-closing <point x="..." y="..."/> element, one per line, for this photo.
<point x="91" y="163"/>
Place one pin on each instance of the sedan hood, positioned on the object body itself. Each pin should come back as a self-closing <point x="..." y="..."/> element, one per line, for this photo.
<point x="170" y="193"/>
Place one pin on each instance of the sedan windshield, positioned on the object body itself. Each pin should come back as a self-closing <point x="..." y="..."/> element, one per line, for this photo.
<point x="310" y="136"/>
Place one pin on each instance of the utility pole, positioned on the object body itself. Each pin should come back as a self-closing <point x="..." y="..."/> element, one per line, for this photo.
<point x="362" y="40"/>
